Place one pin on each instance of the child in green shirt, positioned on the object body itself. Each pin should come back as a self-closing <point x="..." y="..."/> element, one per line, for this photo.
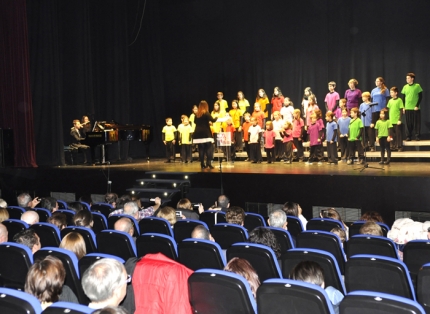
<point x="383" y="129"/>
<point x="395" y="113"/>
<point x="354" y="137"/>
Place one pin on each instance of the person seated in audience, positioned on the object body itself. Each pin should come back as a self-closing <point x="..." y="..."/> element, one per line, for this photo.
<point x="372" y="216"/>
<point x="74" y="242"/>
<point x="265" y="236"/>
<point x="4" y="214"/>
<point x="111" y="310"/>
<point x="371" y="228"/>
<point x="200" y="232"/>
<point x="105" y="283"/>
<point x="125" y="225"/>
<point x="24" y="200"/>
<point x="75" y="206"/>
<point x="87" y="199"/>
<point x="243" y="268"/>
<point x="3" y="233"/>
<point x="167" y="213"/>
<point x="45" y="281"/>
<point x="58" y="219"/>
<point x="3" y="203"/>
<point x="30" y="217"/>
<point x="294" y="209"/>
<point x="222" y="204"/>
<point x="312" y="272"/>
<point x="111" y="198"/>
<point x="49" y="203"/>
<point x="184" y="205"/>
<point x="121" y="201"/>
<point x="83" y="218"/>
<point x="132" y="209"/>
<point x="340" y="233"/>
<point x="333" y="214"/>
<point x="235" y="215"/>
<point x="278" y="219"/>
<point x="29" y="238"/>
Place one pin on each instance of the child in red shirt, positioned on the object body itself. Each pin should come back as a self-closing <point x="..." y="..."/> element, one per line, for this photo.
<point x="269" y="142"/>
<point x="245" y="127"/>
<point x="287" y="141"/>
<point x="258" y="114"/>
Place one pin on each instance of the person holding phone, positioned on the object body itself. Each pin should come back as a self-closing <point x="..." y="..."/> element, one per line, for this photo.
<point x="187" y="211"/>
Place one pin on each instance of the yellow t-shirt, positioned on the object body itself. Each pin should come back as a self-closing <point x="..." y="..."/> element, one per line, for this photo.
<point x="235" y="115"/>
<point x="223" y="105"/>
<point x="185" y="131"/>
<point x="216" y="126"/>
<point x="263" y="102"/>
<point x="243" y="104"/>
<point x="169" y="132"/>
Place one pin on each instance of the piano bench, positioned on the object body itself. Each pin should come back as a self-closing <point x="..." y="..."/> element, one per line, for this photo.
<point x="71" y="155"/>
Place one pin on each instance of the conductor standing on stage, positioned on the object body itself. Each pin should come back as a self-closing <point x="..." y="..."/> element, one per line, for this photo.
<point x="77" y="137"/>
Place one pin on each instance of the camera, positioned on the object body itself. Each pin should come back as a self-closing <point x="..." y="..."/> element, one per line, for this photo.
<point x="179" y="214"/>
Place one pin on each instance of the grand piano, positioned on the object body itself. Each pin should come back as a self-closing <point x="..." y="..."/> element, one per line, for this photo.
<point x="104" y="133"/>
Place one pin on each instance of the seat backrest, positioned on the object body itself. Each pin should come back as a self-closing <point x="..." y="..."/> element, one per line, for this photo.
<point x="184" y="228"/>
<point x="292" y="296"/>
<point x="332" y="275"/>
<point x="100" y="222"/>
<point x="103" y="208"/>
<point x="218" y="291"/>
<point x="371" y="245"/>
<point x="88" y="235"/>
<point x="354" y="229"/>
<point x="15" y="261"/>
<point x="322" y="240"/>
<point x="198" y="253"/>
<point x="67" y="307"/>
<point x="423" y="286"/>
<point x="13" y="227"/>
<point x="378" y="273"/>
<point x="62" y="204"/>
<point x="253" y="220"/>
<point x="283" y="237"/>
<point x="416" y="253"/>
<point x="86" y="261"/>
<point x="86" y="205"/>
<point x="69" y="215"/>
<point x="15" y="302"/>
<point x="226" y="234"/>
<point x="212" y="217"/>
<point x="155" y="225"/>
<point x="114" y="218"/>
<point x="323" y="224"/>
<point x="70" y="263"/>
<point x="295" y="225"/>
<point x="377" y="302"/>
<point x="116" y="243"/>
<point x="49" y="234"/>
<point x="261" y="257"/>
<point x="150" y="243"/>
<point x="43" y="213"/>
<point x="15" y="212"/>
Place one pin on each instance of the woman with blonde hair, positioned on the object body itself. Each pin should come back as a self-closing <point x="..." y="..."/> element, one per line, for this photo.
<point x="74" y="242"/>
<point x="4" y="214"/>
<point x="243" y="268"/>
<point x="169" y="214"/>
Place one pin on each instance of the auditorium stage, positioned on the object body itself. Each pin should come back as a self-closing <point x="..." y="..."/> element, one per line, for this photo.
<point x="401" y="186"/>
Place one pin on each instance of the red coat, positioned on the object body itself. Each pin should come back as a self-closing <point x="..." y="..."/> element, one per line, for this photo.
<point x="161" y="286"/>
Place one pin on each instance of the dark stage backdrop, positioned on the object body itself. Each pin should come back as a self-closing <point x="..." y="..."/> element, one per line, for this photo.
<point x="103" y="59"/>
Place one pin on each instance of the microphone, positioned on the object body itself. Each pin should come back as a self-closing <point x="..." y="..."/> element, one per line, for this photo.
<point x="373" y="104"/>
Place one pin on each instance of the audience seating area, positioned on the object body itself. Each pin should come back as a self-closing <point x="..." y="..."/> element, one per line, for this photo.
<point x="366" y="269"/>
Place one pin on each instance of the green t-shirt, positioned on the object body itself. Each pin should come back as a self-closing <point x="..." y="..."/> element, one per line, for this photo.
<point x="411" y="95"/>
<point x="354" y="129"/>
<point x="382" y="126"/>
<point x="394" y="106"/>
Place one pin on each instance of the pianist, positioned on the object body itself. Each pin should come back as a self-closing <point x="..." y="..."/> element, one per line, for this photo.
<point x="77" y="136"/>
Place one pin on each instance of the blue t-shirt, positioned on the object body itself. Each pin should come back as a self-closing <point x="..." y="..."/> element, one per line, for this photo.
<point x="343" y="124"/>
<point x="381" y="99"/>
<point x="367" y="120"/>
<point x="331" y="128"/>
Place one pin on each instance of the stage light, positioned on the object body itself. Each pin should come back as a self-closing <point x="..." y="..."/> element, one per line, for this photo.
<point x="132" y="192"/>
<point x="141" y="183"/>
<point x="153" y="175"/>
<point x="186" y="177"/>
<point x="165" y="193"/>
<point x="174" y="184"/>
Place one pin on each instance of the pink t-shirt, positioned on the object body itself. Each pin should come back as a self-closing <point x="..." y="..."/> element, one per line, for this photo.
<point x="330" y="99"/>
<point x="289" y="136"/>
<point x="269" y="136"/>
<point x="297" y="127"/>
<point x="310" y="111"/>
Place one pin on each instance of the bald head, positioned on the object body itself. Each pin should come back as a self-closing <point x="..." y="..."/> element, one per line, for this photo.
<point x="124" y="225"/>
<point x="200" y="232"/>
<point x="3" y="233"/>
<point x="30" y="217"/>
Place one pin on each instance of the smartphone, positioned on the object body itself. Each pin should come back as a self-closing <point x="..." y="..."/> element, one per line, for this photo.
<point x="179" y="214"/>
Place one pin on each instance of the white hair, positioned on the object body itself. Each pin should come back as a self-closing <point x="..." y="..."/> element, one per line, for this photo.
<point x="277" y="218"/>
<point x="3" y="203"/>
<point x="131" y="208"/>
<point x="30" y="217"/>
<point x="23" y="199"/>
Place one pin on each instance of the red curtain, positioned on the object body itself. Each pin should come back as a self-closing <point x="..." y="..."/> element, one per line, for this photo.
<point x="16" y="111"/>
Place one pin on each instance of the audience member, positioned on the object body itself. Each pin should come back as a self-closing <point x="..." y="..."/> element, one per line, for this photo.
<point x="49" y="203"/>
<point x="200" y="232"/>
<point x="265" y="236"/>
<point x="333" y="214"/>
<point x="3" y="233"/>
<point x="105" y="283"/>
<point x="243" y="268"/>
<point x="29" y="238"/>
<point x="4" y="214"/>
<point x="185" y="206"/>
<point x="405" y="230"/>
<point x="111" y="310"/>
<point x="30" y="217"/>
<point x="278" y="219"/>
<point x="86" y="199"/>
<point x="372" y="216"/>
<point x="271" y="207"/>
<point x="58" y="219"/>
<point x="125" y="225"/>
<point x="235" y="215"/>
<point x="74" y="242"/>
<point x="167" y="213"/>
<point x="294" y="209"/>
<point x="340" y="233"/>
<point x="111" y="198"/>
<point x="312" y="272"/>
<point x="132" y="209"/>
<point x="371" y="228"/>
<point x="221" y="204"/>
<point x="3" y="203"/>
<point x="75" y="206"/>
<point x="121" y="201"/>
<point x="24" y="200"/>
<point x="83" y="218"/>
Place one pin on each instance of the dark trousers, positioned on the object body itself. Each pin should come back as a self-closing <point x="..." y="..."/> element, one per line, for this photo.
<point x="186" y="152"/>
<point x="206" y="149"/>
<point x="288" y="149"/>
<point x="413" y="123"/>
<point x="270" y="154"/>
<point x="299" y="145"/>
<point x="332" y="152"/>
<point x="385" y="146"/>
<point x="248" y="153"/>
<point x="343" y="143"/>
<point x="316" y="152"/>
<point x="279" y="149"/>
<point x="238" y="145"/>
<point x="397" y="131"/>
<point x="370" y="137"/>
<point x="170" y="150"/>
<point x="354" y="146"/>
<point x="255" y="152"/>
